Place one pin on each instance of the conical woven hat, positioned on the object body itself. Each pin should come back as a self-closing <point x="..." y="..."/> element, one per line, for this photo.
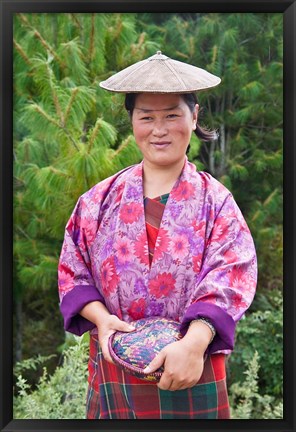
<point x="160" y="74"/>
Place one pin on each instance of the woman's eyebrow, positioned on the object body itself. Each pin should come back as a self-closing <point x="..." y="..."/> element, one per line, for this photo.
<point x="145" y="110"/>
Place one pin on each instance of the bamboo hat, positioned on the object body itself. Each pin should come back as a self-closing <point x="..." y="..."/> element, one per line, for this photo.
<point x="160" y="74"/>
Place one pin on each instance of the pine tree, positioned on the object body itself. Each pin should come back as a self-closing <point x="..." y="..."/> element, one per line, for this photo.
<point x="69" y="134"/>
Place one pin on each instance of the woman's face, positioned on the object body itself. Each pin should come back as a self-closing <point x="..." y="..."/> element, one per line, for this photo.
<point x="162" y="126"/>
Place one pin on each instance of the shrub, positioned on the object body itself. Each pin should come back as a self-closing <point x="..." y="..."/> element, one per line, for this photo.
<point x="60" y="396"/>
<point x="245" y="400"/>
<point x="261" y="331"/>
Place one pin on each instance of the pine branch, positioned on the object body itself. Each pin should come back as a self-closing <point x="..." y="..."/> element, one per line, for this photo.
<point x="135" y="48"/>
<point x="215" y="54"/>
<point x="70" y="138"/>
<point x="54" y="122"/>
<point x="247" y="40"/>
<point x="45" y="44"/>
<point x="70" y="104"/>
<point x="94" y="134"/>
<point x="49" y="48"/>
<point x="14" y="156"/>
<point x="122" y="146"/>
<point x="119" y="27"/>
<point x="76" y="21"/>
<point x="268" y="128"/>
<point x="23" y="233"/>
<point x="55" y="96"/>
<point x="57" y="171"/>
<point x="92" y="39"/>
<point x="45" y="115"/>
<point x="22" y="52"/>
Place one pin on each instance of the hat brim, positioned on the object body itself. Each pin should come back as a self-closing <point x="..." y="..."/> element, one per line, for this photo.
<point x="160" y="74"/>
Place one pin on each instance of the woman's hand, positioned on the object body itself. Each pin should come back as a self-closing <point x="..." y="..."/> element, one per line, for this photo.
<point x="106" y="328"/>
<point x="182" y="366"/>
<point x="106" y="324"/>
<point x="183" y="360"/>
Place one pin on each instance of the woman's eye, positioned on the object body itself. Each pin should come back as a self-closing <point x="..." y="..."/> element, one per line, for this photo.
<point x="146" y="118"/>
<point x="172" y="115"/>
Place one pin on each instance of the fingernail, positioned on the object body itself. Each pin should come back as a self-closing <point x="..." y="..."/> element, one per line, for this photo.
<point x="147" y="370"/>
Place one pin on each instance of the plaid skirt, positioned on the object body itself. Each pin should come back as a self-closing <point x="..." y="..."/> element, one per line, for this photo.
<point x="114" y="394"/>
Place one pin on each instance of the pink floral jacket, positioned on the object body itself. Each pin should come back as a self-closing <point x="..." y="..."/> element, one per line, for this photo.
<point x="204" y="263"/>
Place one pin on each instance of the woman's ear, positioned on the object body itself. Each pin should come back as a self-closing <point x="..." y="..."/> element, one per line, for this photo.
<point x="196" y="110"/>
<point x="195" y="116"/>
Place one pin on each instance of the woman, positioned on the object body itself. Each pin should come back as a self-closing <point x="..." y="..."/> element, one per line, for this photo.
<point x="159" y="239"/>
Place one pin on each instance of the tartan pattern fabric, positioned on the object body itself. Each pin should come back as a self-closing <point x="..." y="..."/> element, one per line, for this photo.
<point x="114" y="394"/>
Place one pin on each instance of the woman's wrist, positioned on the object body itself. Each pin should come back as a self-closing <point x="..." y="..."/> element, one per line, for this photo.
<point x="208" y="324"/>
<point x="96" y="312"/>
<point x="198" y="336"/>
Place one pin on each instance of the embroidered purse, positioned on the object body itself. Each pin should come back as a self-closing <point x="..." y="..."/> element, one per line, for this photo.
<point x="134" y="351"/>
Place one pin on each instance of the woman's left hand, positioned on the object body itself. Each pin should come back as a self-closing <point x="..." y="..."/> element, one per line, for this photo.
<point x="182" y="366"/>
<point x="183" y="360"/>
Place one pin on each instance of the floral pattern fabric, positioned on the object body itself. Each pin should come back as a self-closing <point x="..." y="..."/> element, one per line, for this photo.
<point x="204" y="252"/>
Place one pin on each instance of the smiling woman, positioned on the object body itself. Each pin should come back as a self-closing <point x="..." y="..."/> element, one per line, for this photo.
<point x="162" y="240"/>
<point x="162" y="126"/>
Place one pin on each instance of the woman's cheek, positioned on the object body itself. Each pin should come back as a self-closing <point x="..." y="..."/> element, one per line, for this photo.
<point x="141" y="133"/>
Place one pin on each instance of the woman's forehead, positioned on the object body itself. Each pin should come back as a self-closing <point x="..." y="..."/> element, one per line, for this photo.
<point x="158" y="102"/>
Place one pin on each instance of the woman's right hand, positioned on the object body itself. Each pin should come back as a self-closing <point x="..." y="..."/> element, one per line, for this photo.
<point x="107" y="324"/>
<point x="106" y="328"/>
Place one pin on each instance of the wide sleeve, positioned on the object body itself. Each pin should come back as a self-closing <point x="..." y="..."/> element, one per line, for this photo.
<point x="227" y="280"/>
<point x="76" y="285"/>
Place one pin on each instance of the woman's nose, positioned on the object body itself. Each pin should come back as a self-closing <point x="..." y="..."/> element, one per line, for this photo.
<point x="159" y="129"/>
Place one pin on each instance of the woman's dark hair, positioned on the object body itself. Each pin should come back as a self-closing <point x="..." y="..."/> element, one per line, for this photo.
<point x="191" y="100"/>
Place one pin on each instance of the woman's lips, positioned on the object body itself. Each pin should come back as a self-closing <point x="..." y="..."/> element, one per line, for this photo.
<point x="161" y="144"/>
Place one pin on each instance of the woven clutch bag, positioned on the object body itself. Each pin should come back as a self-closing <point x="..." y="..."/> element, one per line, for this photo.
<point x="134" y="351"/>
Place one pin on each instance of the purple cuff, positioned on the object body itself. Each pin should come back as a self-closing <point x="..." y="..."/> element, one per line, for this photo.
<point x="223" y="323"/>
<point x="72" y="304"/>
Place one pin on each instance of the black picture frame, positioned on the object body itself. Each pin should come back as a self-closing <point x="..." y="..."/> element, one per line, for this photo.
<point x="8" y="8"/>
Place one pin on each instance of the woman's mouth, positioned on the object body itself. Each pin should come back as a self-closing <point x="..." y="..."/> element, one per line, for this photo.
<point x="161" y="144"/>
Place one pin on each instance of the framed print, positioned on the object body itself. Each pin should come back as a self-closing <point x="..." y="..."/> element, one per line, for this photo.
<point x="62" y="134"/>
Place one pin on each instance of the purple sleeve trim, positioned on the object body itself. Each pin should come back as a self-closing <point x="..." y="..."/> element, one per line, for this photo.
<point x="223" y="323"/>
<point x="71" y="305"/>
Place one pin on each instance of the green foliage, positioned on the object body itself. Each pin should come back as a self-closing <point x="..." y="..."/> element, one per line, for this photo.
<point x="31" y="363"/>
<point x="60" y="396"/>
<point x="261" y="331"/>
<point x="64" y="141"/>
<point x="265" y="222"/>
<point x="63" y="395"/>
<point x="246" y="401"/>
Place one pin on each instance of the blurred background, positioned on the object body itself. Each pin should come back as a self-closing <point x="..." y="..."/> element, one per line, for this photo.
<point x="69" y="134"/>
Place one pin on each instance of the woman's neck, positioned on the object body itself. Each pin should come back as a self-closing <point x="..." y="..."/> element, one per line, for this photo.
<point x="159" y="180"/>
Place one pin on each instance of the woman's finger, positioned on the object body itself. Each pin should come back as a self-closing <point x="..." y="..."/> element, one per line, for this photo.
<point x="165" y="382"/>
<point x="124" y="326"/>
<point x="156" y="363"/>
